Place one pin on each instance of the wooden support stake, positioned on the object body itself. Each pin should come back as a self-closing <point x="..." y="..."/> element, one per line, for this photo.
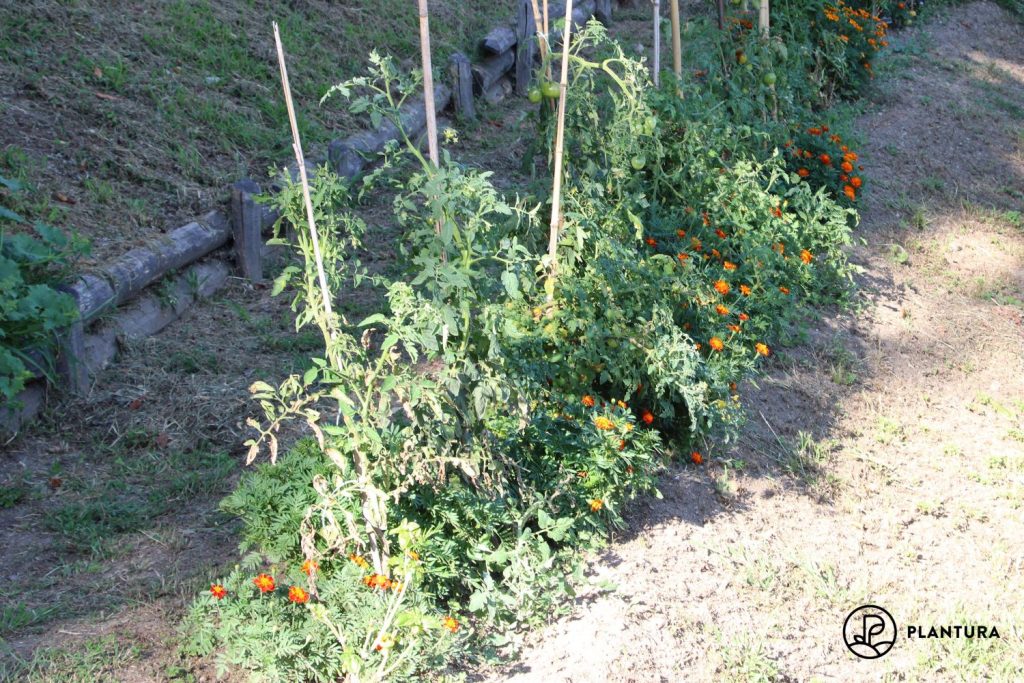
<point x="428" y="83"/>
<point x="657" y="43"/>
<point x="556" y="193"/>
<point x="677" y="44"/>
<point x="300" y="160"/>
<point x="762" y="20"/>
<point x="246" y="228"/>
<point x="526" y="48"/>
<point x="462" y="86"/>
<point x="721" y="15"/>
<point x="71" y="367"/>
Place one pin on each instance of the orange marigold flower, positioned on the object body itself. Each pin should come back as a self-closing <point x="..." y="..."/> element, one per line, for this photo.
<point x="705" y="218"/>
<point x="596" y="504"/>
<point x="698" y="346"/>
<point x="808" y="154"/>
<point x="621" y="404"/>
<point x="218" y="591"/>
<point x="803" y="172"/>
<point x="722" y="287"/>
<point x="695" y="243"/>
<point x="265" y="582"/>
<point x="450" y="623"/>
<point x="721" y="310"/>
<point x="629" y="469"/>
<point x="696" y="457"/>
<point x="582" y="474"/>
<point x="825" y="159"/>
<point x="762" y="349"/>
<point x="588" y="401"/>
<point x="806" y="256"/>
<point x="779" y="247"/>
<point x="814" y="131"/>
<point x="716" y="253"/>
<point x="847" y="167"/>
<point x="843" y="178"/>
<point x="777" y="212"/>
<point x="604" y="424"/>
<point x="744" y="317"/>
<point x="622" y="445"/>
<point x="729" y="265"/>
<point x="856" y="182"/>
<point x="359" y="560"/>
<point x="733" y="328"/>
<point x="298" y="595"/>
<point x="682" y="257"/>
<point x="721" y="233"/>
<point x="850" y="191"/>
<point x="745" y="290"/>
<point x="835" y="138"/>
<point x="716" y="344"/>
<point x="784" y="289"/>
<point x="680" y="233"/>
<point x="377" y="581"/>
<point x="850" y="156"/>
<point x="309" y="567"/>
<point x="651" y="242"/>
<point x="647" y="417"/>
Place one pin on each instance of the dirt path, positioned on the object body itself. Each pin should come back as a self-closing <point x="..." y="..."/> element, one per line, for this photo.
<point x="892" y="471"/>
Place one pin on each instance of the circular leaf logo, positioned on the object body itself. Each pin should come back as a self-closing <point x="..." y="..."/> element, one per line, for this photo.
<point x="869" y="632"/>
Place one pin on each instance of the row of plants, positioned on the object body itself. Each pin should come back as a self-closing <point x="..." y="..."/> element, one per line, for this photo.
<point x="492" y="422"/>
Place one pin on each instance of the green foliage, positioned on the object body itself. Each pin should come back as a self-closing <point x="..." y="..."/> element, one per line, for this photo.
<point x="32" y="311"/>
<point x="491" y="423"/>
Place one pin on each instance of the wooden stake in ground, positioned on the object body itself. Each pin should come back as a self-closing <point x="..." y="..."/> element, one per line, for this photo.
<point x="542" y="33"/>
<point x="301" y="161"/>
<point x="657" y="43"/>
<point x="762" y="19"/>
<point x="428" y="83"/>
<point x="677" y="41"/>
<point x="556" y="193"/>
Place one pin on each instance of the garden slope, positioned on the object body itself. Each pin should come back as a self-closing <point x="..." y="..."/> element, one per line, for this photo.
<point x="909" y="489"/>
<point x="130" y="118"/>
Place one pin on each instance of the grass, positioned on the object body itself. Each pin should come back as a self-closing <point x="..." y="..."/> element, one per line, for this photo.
<point x="137" y="489"/>
<point x="168" y="101"/>
<point x="745" y="660"/>
<point x="91" y="661"/>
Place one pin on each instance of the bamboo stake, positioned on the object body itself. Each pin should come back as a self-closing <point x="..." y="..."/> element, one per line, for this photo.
<point x="762" y="21"/>
<point x="542" y="35"/>
<point x="657" y="43"/>
<point x="721" y="15"/>
<point x="556" y="193"/>
<point x="301" y="161"/>
<point x="547" y="33"/>
<point x="428" y="83"/>
<point x="677" y="41"/>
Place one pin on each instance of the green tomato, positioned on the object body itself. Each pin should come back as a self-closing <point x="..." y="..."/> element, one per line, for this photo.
<point x="650" y="124"/>
<point x="551" y="90"/>
<point x="768" y="79"/>
<point x="742" y="58"/>
<point x="534" y="95"/>
<point x="638" y="162"/>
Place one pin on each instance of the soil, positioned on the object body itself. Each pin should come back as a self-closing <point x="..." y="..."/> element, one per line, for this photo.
<point x="882" y="462"/>
<point x="912" y="499"/>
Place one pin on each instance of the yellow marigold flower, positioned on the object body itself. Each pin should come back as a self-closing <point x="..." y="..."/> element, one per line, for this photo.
<point x="806" y="256"/>
<point x="603" y="423"/>
<point x="596" y="504"/>
<point x="716" y="344"/>
<point x="762" y="348"/>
